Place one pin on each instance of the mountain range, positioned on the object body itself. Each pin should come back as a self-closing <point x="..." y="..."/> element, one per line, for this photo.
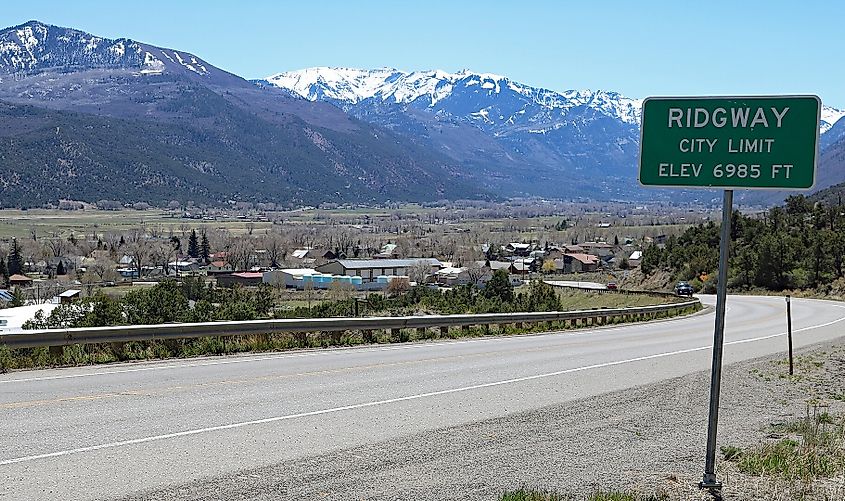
<point x="569" y="133"/>
<point x="88" y="118"/>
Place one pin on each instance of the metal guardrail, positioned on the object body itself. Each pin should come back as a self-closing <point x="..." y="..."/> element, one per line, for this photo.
<point x="127" y="333"/>
<point x="613" y="291"/>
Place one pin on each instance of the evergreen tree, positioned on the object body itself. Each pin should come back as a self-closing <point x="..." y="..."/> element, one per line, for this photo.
<point x="122" y="242"/>
<point x="15" y="259"/>
<point x="193" y="245"/>
<point x="60" y="268"/>
<point x="499" y="287"/>
<point x="17" y="298"/>
<point x="204" y="249"/>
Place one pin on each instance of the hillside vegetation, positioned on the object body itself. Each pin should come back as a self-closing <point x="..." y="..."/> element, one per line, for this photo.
<point x="798" y="246"/>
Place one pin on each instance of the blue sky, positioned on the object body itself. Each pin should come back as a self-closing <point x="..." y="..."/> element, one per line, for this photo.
<point x="636" y="48"/>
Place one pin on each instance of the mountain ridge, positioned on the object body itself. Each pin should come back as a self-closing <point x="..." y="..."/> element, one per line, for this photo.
<point x="188" y="127"/>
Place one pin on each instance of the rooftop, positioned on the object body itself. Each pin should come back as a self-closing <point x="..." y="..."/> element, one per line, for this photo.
<point x="357" y="264"/>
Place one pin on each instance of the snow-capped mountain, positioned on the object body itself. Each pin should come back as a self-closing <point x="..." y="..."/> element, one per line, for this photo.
<point x="86" y="118"/>
<point x="503" y="128"/>
<point x="829" y="117"/>
<point x="429" y="89"/>
<point x="348" y="87"/>
<point x="536" y="135"/>
<point x="35" y="47"/>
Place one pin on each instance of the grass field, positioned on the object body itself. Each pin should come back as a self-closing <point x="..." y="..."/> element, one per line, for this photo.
<point x="48" y="223"/>
<point x="54" y="223"/>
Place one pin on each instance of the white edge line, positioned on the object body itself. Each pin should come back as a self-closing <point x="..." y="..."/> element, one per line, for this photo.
<point x="418" y="396"/>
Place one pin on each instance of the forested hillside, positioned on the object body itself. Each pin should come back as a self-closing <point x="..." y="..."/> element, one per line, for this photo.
<point x="797" y="246"/>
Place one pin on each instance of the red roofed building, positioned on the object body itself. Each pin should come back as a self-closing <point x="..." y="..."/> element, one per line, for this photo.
<point x="574" y="263"/>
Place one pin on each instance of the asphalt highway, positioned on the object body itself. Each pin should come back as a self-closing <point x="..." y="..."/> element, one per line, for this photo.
<point x="103" y="432"/>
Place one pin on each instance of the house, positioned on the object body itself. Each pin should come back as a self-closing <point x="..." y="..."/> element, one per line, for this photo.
<point x="370" y="269"/>
<point x="20" y="281"/>
<point x="243" y="278"/>
<point x="218" y="256"/>
<point x="497" y="265"/>
<point x="388" y="251"/>
<point x="219" y="267"/>
<point x="450" y="276"/>
<point x="523" y="266"/>
<point x="600" y="249"/>
<point x="69" y="296"/>
<point x="575" y="263"/>
<point x="180" y="266"/>
<point x="128" y="272"/>
<point x="126" y="260"/>
<point x="517" y="249"/>
<point x="635" y="259"/>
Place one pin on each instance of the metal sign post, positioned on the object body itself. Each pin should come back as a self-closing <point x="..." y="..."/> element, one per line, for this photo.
<point x="789" y="331"/>
<point x="745" y="142"/>
<point x="709" y="481"/>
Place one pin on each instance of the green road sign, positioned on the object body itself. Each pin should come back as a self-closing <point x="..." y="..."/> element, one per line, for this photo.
<point x="755" y="142"/>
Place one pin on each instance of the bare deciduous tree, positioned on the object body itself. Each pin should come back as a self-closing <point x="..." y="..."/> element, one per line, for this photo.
<point x="138" y="249"/>
<point x="419" y="272"/>
<point x="475" y="272"/>
<point x="275" y="247"/>
<point x="239" y="253"/>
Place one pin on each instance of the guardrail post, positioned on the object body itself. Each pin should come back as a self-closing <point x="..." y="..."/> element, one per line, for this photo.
<point x="367" y="336"/>
<point x="465" y="330"/>
<point x="420" y="332"/>
<point x="334" y="337"/>
<point x="395" y="335"/>
<point x="57" y="351"/>
<point x="301" y="340"/>
<point x="444" y="331"/>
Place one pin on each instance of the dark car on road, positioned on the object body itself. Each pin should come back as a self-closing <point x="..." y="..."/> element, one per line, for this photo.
<point x="684" y="289"/>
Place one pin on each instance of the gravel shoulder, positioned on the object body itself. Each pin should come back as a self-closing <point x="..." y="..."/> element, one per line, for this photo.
<point x="648" y="439"/>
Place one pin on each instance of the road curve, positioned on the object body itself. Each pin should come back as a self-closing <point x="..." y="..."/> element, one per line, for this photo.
<point x="106" y="431"/>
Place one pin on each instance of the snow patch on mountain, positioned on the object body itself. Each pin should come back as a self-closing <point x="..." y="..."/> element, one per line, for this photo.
<point x="829" y="116"/>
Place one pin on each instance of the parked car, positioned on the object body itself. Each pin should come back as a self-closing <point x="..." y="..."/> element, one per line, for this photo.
<point x="611" y="286"/>
<point x="684" y="289"/>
